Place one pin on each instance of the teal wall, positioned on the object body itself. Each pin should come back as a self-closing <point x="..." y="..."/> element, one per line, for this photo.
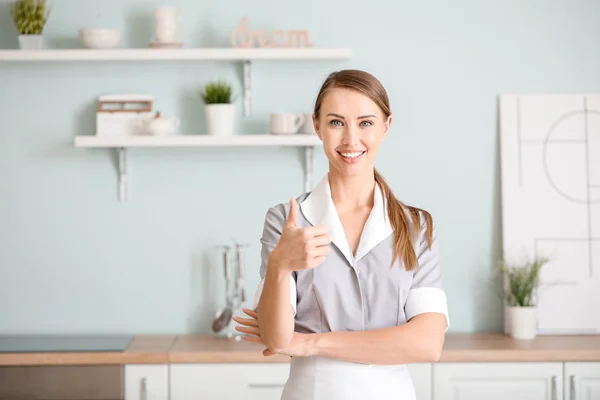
<point x="74" y="259"/>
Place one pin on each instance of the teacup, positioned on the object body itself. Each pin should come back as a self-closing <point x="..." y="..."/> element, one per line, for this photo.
<point x="286" y="123"/>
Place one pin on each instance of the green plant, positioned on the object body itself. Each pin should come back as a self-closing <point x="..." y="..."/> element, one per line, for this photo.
<point x="29" y="16"/>
<point x="521" y="281"/>
<point x="217" y="92"/>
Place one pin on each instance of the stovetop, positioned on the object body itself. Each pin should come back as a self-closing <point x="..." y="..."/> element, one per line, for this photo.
<point x="63" y="343"/>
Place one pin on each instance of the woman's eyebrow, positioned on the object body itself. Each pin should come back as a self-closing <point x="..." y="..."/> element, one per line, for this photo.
<point x="342" y="117"/>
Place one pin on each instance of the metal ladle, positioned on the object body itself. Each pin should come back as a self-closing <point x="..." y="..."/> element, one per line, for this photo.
<point x="224" y="315"/>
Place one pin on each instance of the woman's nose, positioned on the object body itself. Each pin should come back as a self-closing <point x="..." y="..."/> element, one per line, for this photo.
<point x="351" y="135"/>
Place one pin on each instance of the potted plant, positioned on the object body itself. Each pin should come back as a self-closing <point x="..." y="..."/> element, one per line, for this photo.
<point x="218" y="108"/>
<point x="520" y="284"/>
<point x="30" y="17"/>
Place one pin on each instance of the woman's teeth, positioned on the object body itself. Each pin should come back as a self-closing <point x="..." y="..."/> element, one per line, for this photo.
<point x="352" y="155"/>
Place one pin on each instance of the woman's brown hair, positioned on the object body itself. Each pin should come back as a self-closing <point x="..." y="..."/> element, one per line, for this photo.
<point x="370" y="86"/>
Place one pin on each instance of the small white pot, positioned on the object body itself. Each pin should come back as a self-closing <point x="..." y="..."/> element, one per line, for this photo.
<point x="522" y="322"/>
<point x="31" y="42"/>
<point x="219" y="119"/>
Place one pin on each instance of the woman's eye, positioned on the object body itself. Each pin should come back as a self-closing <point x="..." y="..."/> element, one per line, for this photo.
<point x="335" y="122"/>
<point x="366" y="123"/>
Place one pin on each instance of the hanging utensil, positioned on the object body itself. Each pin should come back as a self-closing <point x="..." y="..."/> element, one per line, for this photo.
<point x="241" y="271"/>
<point x="224" y="315"/>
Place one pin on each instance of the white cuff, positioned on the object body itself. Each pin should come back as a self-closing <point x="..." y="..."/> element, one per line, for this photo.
<point x="426" y="299"/>
<point x="259" y="290"/>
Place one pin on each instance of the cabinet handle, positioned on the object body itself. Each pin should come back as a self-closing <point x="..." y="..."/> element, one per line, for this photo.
<point x="144" y="389"/>
<point x="266" y="385"/>
<point x="572" y="388"/>
<point x="553" y="383"/>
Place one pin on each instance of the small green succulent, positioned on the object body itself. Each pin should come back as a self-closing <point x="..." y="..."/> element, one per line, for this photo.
<point x="29" y="16"/>
<point x="217" y="92"/>
<point x="521" y="281"/>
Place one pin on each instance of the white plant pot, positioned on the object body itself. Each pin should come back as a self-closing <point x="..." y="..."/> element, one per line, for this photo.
<point x="219" y="119"/>
<point x="31" y="42"/>
<point x="522" y="322"/>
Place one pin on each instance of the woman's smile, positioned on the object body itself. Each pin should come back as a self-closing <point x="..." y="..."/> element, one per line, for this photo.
<point x="351" y="157"/>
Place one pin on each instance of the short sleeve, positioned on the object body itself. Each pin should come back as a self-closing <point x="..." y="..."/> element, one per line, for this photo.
<point x="273" y="226"/>
<point x="426" y="293"/>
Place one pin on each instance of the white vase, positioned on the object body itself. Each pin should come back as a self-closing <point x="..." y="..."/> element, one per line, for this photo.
<point x="219" y="119"/>
<point x="522" y="322"/>
<point x="31" y="42"/>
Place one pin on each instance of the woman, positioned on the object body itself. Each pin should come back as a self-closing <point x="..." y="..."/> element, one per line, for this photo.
<point x="351" y="283"/>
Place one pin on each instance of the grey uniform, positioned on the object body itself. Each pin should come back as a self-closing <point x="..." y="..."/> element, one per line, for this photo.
<point x="352" y="292"/>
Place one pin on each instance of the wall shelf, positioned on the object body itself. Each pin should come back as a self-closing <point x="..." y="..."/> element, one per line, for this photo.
<point x="121" y="144"/>
<point x="243" y="55"/>
<point x="297" y="140"/>
<point x="182" y="54"/>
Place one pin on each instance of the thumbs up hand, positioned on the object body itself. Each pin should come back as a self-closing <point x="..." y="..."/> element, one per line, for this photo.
<point x="301" y="248"/>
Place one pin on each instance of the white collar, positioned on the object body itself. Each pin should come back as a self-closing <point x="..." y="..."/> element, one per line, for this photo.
<point x="318" y="209"/>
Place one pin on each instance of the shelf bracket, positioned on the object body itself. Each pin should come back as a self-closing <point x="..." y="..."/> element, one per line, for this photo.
<point x="308" y="167"/>
<point x="122" y="153"/>
<point x="247" y="88"/>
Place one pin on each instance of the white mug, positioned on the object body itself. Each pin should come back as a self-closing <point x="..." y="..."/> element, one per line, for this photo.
<point x="308" y="127"/>
<point x="286" y="123"/>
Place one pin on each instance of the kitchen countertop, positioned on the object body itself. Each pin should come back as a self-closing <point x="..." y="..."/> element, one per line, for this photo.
<point x="205" y="348"/>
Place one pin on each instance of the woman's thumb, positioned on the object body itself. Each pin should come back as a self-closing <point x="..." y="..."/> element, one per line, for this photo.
<point x="292" y="219"/>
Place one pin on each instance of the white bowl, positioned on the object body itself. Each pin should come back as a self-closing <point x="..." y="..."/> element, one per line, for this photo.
<point x="99" y="38"/>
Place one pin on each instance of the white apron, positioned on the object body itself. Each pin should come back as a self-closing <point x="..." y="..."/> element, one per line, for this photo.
<point x="319" y="378"/>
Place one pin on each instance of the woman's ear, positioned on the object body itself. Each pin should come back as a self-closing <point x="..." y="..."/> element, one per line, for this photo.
<point x="316" y="125"/>
<point x="386" y="126"/>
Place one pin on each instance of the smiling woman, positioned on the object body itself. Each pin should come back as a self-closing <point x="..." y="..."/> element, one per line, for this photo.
<point x="351" y="282"/>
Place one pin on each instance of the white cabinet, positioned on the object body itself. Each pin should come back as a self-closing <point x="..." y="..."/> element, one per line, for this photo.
<point x="421" y="377"/>
<point x="249" y="381"/>
<point x="498" y="381"/>
<point x="582" y="380"/>
<point x="440" y="381"/>
<point x="147" y="382"/>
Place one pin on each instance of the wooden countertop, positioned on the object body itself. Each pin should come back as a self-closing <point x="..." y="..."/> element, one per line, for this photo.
<point x="161" y="349"/>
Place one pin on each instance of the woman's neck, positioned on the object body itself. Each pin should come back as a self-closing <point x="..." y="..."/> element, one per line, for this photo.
<point x="351" y="192"/>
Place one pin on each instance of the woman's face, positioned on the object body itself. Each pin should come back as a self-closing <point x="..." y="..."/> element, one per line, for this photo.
<point x="351" y="127"/>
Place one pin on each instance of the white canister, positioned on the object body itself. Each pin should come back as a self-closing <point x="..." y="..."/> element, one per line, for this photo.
<point x="166" y="24"/>
<point x="522" y="322"/>
<point x="219" y="119"/>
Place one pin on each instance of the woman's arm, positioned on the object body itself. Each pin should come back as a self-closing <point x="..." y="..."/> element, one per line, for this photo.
<point x="419" y="340"/>
<point x="286" y="248"/>
<point x="276" y="314"/>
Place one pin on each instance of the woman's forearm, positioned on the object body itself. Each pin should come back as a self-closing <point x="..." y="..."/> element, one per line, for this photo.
<point x="275" y="313"/>
<point x="420" y="340"/>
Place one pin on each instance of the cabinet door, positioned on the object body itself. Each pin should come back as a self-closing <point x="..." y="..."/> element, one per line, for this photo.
<point x="147" y="382"/>
<point x="421" y="377"/>
<point x="263" y="381"/>
<point x="582" y="380"/>
<point x="498" y="381"/>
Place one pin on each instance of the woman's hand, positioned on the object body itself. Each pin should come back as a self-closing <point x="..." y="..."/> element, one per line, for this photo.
<point x="300" y="248"/>
<point x="300" y="345"/>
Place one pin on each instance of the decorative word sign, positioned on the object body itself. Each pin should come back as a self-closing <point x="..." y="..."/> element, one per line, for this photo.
<point x="242" y="37"/>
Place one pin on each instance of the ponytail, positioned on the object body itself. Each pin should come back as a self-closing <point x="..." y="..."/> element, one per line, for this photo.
<point x="403" y="239"/>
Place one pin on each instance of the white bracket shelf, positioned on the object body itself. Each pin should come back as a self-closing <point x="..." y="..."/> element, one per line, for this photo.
<point x="244" y="55"/>
<point x="121" y="144"/>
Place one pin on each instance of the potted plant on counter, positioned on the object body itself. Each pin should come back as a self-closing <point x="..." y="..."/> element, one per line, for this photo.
<point x="520" y="289"/>
<point x="218" y="108"/>
<point x="30" y="17"/>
